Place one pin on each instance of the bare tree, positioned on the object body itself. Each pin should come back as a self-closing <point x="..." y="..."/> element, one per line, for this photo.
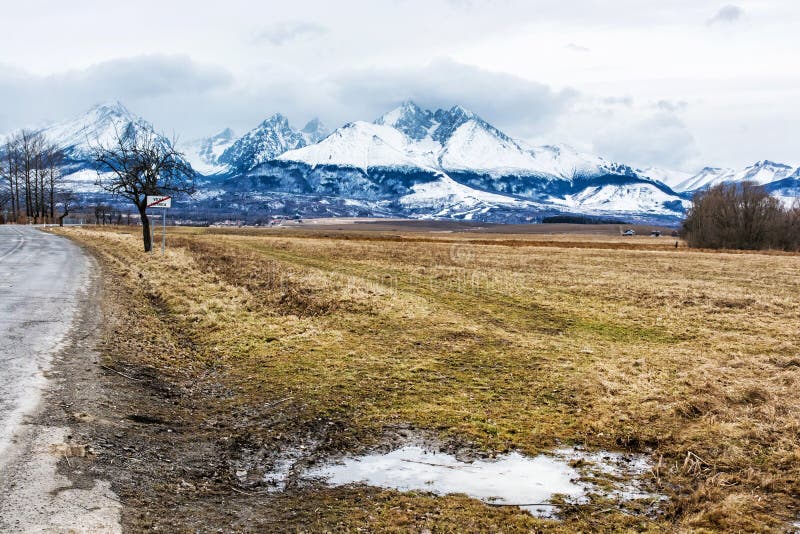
<point x="102" y="213"/>
<point x="5" y="200"/>
<point x="6" y="190"/>
<point x="67" y="201"/>
<point x="135" y="164"/>
<point x="52" y="157"/>
<point x="10" y="172"/>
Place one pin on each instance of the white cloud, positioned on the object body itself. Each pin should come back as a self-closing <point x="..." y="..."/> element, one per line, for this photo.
<point x="286" y="32"/>
<point x="572" y="47"/>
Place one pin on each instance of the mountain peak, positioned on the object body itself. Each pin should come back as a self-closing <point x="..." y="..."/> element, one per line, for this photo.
<point x="272" y="137"/>
<point x="313" y="125"/>
<point x="460" y="110"/>
<point x="407" y="109"/>
<point x="112" y="108"/>
<point x="406" y="106"/>
<point x="314" y="131"/>
<point x="227" y="134"/>
<point x="409" y="118"/>
<point x="276" y="118"/>
<point x="768" y="163"/>
<point x="452" y="119"/>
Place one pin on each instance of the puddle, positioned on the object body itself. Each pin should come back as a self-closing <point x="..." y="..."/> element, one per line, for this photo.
<point x="510" y="479"/>
<point x="276" y="478"/>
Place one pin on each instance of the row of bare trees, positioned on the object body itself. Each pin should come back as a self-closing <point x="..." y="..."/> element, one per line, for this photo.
<point x="30" y="179"/>
<point x="133" y="164"/>
<point x="742" y="216"/>
<point x="103" y="214"/>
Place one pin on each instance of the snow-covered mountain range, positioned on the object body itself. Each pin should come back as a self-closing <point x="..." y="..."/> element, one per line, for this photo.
<point x="453" y="163"/>
<point x="414" y="162"/>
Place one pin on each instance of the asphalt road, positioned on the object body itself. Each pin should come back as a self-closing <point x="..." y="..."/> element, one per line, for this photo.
<point x="40" y="279"/>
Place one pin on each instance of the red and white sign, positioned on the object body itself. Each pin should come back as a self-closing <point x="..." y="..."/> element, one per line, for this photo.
<point x="159" y="202"/>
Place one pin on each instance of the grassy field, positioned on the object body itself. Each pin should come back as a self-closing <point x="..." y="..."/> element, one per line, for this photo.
<point x="488" y="342"/>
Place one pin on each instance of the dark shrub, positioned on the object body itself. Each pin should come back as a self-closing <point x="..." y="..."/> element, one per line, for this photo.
<point x="741" y="216"/>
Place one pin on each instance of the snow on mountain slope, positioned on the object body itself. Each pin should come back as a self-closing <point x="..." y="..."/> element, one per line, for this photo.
<point x="762" y="172"/>
<point x="457" y="138"/>
<point x="666" y="176"/>
<point x="626" y="198"/>
<point x="787" y="190"/>
<point x="83" y="181"/>
<point x="707" y="177"/>
<point x="446" y="191"/>
<point x="266" y="141"/>
<point x="203" y="154"/>
<point x="363" y="145"/>
<point x="568" y="163"/>
<point x="410" y="119"/>
<point x="100" y="125"/>
<point x="446" y="198"/>
<point x="269" y="140"/>
<point x="475" y="148"/>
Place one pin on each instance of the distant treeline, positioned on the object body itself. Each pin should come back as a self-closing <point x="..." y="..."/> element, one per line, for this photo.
<point x="742" y="216"/>
<point x="31" y="185"/>
<point x="580" y="219"/>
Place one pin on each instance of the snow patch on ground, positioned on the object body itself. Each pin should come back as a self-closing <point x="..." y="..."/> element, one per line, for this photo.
<point x="512" y="479"/>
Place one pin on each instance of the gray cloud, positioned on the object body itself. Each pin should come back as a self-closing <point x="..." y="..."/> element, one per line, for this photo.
<point x="670" y="105"/>
<point x="522" y="107"/>
<point x="144" y="77"/>
<point x="661" y="139"/>
<point x="726" y="14"/>
<point x="133" y="80"/>
<point x="287" y="32"/>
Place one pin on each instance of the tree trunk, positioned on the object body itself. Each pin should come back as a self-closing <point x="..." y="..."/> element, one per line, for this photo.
<point x="63" y="215"/>
<point x="146" y="235"/>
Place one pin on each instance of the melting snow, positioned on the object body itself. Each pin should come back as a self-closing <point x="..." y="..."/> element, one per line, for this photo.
<point x="511" y="479"/>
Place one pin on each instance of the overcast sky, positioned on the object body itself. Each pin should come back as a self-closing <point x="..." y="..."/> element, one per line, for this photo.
<point x="677" y="84"/>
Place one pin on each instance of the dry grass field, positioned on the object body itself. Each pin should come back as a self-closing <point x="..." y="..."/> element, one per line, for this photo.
<point x="487" y="342"/>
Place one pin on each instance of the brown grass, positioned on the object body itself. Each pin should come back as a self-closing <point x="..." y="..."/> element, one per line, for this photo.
<point x="504" y="343"/>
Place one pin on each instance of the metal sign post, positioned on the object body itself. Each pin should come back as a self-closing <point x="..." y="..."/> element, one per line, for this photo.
<point x="161" y="202"/>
